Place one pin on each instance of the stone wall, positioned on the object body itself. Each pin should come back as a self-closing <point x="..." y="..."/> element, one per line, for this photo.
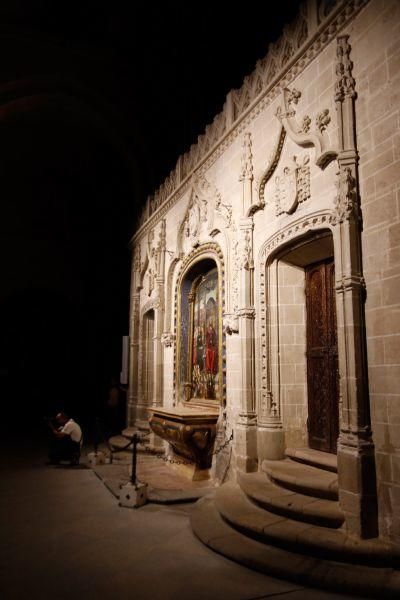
<point x="292" y="353"/>
<point x="278" y="170"/>
<point x="375" y="38"/>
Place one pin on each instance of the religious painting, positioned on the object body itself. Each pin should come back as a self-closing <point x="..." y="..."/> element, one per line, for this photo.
<point x="204" y="342"/>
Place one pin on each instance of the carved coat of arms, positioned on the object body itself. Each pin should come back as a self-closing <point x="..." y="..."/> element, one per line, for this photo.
<point x="292" y="186"/>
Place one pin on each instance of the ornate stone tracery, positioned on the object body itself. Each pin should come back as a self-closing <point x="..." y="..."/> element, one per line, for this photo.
<point x="259" y="93"/>
<point x="205" y="215"/>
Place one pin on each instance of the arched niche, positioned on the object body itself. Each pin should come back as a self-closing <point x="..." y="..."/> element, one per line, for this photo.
<point x="200" y="348"/>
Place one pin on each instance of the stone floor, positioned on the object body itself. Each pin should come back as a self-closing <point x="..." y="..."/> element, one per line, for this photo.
<point x="64" y="535"/>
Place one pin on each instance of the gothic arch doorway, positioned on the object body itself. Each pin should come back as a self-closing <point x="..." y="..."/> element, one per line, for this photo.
<point x="303" y="341"/>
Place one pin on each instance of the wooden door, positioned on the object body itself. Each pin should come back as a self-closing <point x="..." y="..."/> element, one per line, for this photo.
<point x="322" y="357"/>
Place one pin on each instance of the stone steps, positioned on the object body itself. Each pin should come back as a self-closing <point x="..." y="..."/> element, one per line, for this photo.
<point x="270" y="528"/>
<point x="286" y="521"/>
<point x="210" y="527"/>
<point x="302" y="478"/>
<point x="264" y="493"/>
<point x="314" y="458"/>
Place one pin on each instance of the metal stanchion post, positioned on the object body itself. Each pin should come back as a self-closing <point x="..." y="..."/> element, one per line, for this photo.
<point x="134" y="458"/>
<point x="134" y="493"/>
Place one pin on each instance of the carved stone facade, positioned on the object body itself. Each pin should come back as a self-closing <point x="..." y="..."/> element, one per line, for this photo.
<point x="300" y="169"/>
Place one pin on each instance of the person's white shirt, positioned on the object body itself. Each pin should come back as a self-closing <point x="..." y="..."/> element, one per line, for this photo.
<point x="73" y="430"/>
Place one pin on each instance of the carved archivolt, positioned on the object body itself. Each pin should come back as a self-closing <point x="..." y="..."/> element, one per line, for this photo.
<point x="169" y="295"/>
<point x="152" y="304"/>
<point x="297" y="228"/>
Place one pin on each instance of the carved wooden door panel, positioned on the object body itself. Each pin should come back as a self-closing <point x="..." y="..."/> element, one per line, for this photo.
<point x="322" y="357"/>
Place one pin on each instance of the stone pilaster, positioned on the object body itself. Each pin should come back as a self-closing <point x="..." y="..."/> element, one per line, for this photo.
<point x="159" y="318"/>
<point x="246" y="427"/>
<point x="356" y="458"/>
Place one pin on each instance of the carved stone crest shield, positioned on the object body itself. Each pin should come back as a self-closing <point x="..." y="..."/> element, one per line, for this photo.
<point x="286" y="189"/>
<point x="292" y="186"/>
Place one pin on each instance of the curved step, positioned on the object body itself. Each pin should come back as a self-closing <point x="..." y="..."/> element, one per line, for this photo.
<point x="118" y="442"/>
<point x="325" y="513"/>
<point x="213" y="531"/>
<point x="314" y="458"/>
<point x="301" y="478"/>
<point x="128" y="432"/>
<point x="269" y="528"/>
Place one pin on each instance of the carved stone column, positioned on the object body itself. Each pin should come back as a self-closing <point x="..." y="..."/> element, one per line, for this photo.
<point x="356" y="459"/>
<point x="134" y="338"/>
<point x="246" y="429"/>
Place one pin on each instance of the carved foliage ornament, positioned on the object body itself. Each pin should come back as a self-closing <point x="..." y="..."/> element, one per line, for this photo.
<point x="204" y="208"/>
<point x="168" y="339"/>
<point x="154" y="255"/>
<point x="136" y="259"/>
<point x="292" y="186"/>
<point x="322" y="120"/>
<point x="301" y="133"/>
<point x="246" y="171"/>
<point x="259" y="81"/>
<point x="346" y="201"/>
<point x="245" y="249"/>
<point x="197" y="212"/>
<point x="345" y="84"/>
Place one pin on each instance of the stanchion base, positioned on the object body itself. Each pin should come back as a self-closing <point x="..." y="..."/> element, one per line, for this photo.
<point x="96" y="458"/>
<point x="133" y="496"/>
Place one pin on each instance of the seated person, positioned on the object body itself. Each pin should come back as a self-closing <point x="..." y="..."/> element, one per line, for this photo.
<point x="67" y="440"/>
